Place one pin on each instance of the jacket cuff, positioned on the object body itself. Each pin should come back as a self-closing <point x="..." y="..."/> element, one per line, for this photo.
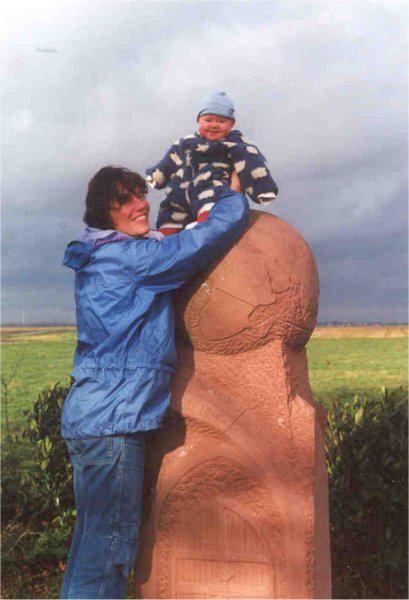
<point x="267" y="198"/>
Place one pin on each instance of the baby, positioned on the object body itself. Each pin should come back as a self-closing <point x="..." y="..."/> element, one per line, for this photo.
<point x="198" y="169"/>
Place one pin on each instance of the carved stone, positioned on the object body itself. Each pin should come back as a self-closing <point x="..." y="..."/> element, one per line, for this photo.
<point x="241" y="505"/>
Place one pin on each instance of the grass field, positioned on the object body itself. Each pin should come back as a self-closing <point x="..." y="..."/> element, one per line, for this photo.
<point x="358" y="359"/>
<point x="31" y="361"/>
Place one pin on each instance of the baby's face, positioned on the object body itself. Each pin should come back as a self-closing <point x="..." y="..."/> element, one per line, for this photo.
<point x="213" y="127"/>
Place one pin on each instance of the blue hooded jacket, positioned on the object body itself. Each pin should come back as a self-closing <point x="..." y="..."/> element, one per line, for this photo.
<point x="126" y="353"/>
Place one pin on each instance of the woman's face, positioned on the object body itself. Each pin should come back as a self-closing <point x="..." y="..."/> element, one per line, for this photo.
<point x="131" y="216"/>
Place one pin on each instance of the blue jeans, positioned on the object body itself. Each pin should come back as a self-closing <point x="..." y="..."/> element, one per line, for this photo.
<point x="108" y="477"/>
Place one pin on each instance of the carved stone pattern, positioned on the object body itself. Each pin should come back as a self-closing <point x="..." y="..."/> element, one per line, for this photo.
<point x="205" y="481"/>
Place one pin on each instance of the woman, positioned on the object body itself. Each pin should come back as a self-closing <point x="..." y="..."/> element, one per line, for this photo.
<point x="125" y="356"/>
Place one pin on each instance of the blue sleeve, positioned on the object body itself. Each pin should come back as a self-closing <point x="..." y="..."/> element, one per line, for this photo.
<point x="171" y="164"/>
<point x="253" y="173"/>
<point x="175" y="259"/>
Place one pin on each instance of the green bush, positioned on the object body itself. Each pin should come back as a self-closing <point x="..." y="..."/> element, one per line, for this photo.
<point x="38" y="488"/>
<point x="38" y="511"/>
<point x="13" y="490"/>
<point x="366" y="445"/>
<point x="52" y="472"/>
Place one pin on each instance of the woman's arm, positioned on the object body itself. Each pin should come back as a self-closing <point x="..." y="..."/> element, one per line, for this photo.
<point x="175" y="259"/>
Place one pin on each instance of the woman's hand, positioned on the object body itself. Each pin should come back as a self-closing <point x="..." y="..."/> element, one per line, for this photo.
<point x="235" y="184"/>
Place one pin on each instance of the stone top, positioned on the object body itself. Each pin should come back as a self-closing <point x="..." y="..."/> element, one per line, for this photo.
<point x="264" y="289"/>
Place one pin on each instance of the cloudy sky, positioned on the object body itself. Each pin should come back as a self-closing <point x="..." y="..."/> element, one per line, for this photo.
<point x="320" y="87"/>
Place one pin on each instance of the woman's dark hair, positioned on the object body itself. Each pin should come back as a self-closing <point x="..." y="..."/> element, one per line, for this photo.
<point x="107" y="186"/>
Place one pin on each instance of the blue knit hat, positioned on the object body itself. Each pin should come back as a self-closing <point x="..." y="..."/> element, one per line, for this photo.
<point x="216" y="103"/>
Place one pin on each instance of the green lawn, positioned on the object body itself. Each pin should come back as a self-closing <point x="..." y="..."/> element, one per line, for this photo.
<point x="362" y="365"/>
<point x="30" y="365"/>
<point x="336" y="366"/>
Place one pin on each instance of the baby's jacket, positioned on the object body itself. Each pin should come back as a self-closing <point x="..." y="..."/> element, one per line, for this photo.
<point x="195" y="171"/>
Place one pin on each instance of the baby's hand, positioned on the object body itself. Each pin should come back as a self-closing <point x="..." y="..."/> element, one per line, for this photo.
<point x="235" y="184"/>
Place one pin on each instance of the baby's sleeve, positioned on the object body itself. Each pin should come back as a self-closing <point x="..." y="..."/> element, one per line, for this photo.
<point x="254" y="175"/>
<point x="159" y="175"/>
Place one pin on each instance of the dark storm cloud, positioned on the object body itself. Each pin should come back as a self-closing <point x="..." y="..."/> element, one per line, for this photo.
<point x="320" y="86"/>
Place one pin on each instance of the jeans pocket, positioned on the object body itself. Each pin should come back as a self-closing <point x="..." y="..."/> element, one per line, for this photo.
<point x="91" y="451"/>
<point x="134" y="459"/>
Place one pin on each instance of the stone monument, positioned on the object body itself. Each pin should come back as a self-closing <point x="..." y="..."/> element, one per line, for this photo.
<point x="238" y="500"/>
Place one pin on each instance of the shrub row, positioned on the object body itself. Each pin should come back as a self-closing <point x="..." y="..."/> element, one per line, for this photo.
<point x="366" y="446"/>
<point x="37" y="509"/>
<point x="367" y="451"/>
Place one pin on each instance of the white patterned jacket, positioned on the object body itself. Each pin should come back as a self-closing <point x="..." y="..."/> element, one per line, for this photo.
<point x="194" y="171"/>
